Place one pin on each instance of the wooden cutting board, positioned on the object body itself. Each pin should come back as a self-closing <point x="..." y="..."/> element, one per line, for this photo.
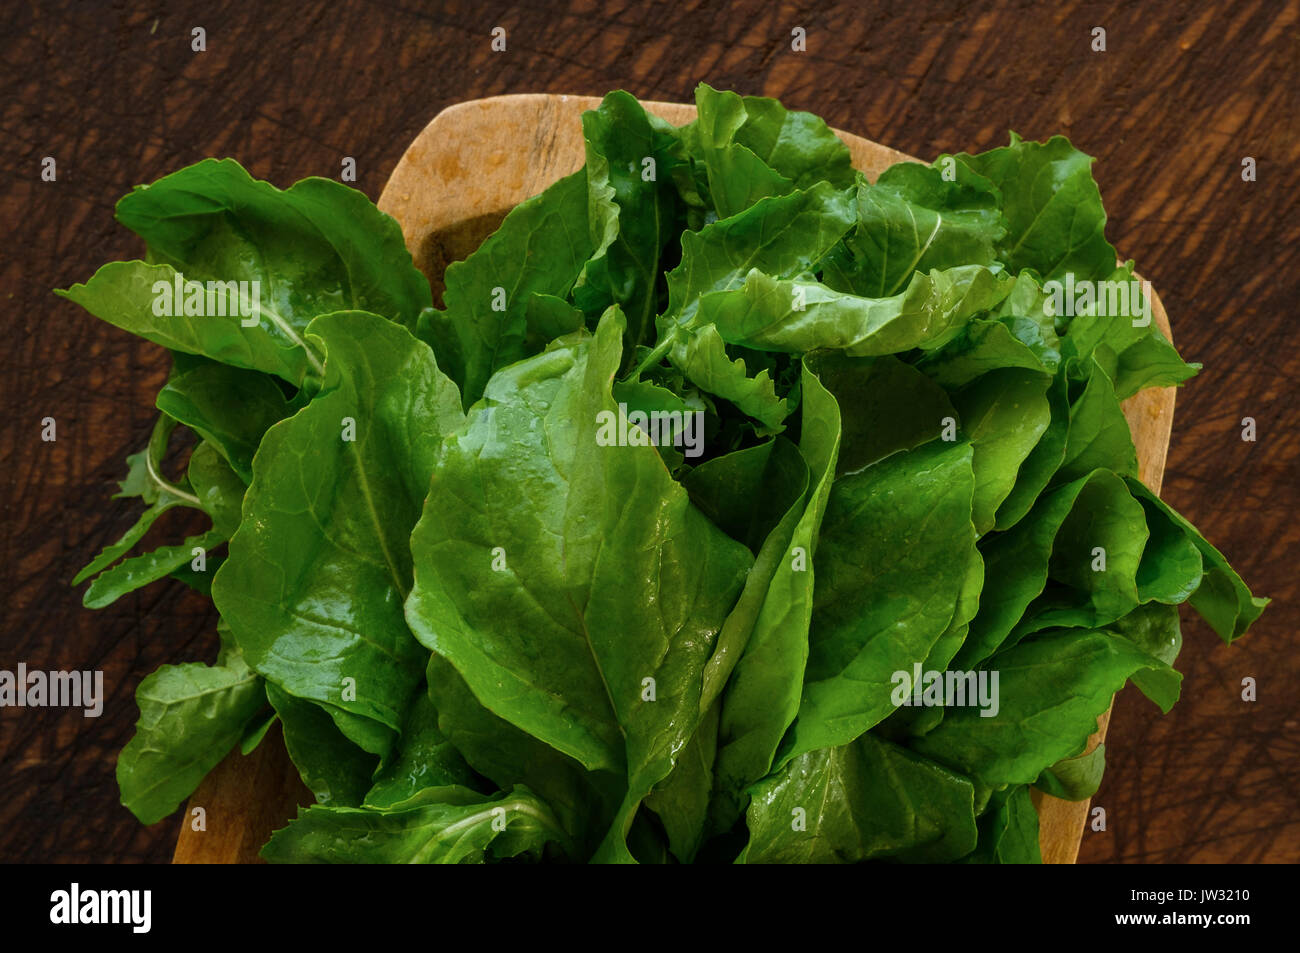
<point x="460" y="176"/>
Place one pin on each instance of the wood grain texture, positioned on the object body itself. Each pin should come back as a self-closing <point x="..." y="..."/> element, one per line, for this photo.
<point x="242" y="802"/>
<point x="1181" y="95"/>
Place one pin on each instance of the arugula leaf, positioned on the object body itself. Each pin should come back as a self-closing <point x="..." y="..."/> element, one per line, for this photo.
<point x="754" y="148"/>
<point x="1074" y="779"/>
<point x="914" y="220"/>
<point x="903" y="526"/>
<point x="1055" y="221"/>
<point x="540" y="249"/>
<point x="797" y="315"/>
<point x="230" y="408"/>
<point x="763" y="694"/>
<point x="1008" y="830"/>
<point x="190" y="717"/>
<point x="115" y="551"/>
<point x="448" y="825"/>
<point x="335" y="769"/>
<point x="316" y="247"/>
<point x="635" y="211"/>
<point x="861" y="801"/>
<point x="217" y="492"/>
<point x="423" y="758"/>
<point x="1004" y="414"/>
<point x="318" y="571"/>
<point x="124" y="294"/>
<point x="210" y="486"/>
<point x="1052" y="688"/>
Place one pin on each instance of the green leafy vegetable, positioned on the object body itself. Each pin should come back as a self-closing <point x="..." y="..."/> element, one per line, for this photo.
<point x="864" y="800"/>
<point x="731" y="507"/>
<point x="190" y="716"/>
<point x="230" y="408"/>
<point x="915" y="219"/>
<point x="316" y="247"/>
<point x="1053" y="688"/>
<point x="446" y="826"/>
<point x="539" y="250"/>
<point x="320" y="567"/>
<point x="635" y="211"/>
<point x="1074" y="779"/>
<point x="895" y="543"/>
<point x="601" y="533"/>
<point x="753" y="148"/>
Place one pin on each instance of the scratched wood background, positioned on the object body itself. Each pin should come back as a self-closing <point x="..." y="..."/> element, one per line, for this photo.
<point x="1182" y="93"/>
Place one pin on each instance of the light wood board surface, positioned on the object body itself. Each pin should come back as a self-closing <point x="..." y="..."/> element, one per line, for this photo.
<point x="459" y="177"/>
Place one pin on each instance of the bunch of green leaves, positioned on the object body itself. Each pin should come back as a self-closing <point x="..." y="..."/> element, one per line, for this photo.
<point x="489" y="634"/>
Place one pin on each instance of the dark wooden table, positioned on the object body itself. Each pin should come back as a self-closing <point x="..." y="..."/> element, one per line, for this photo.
<point x="1181" y="94"/>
